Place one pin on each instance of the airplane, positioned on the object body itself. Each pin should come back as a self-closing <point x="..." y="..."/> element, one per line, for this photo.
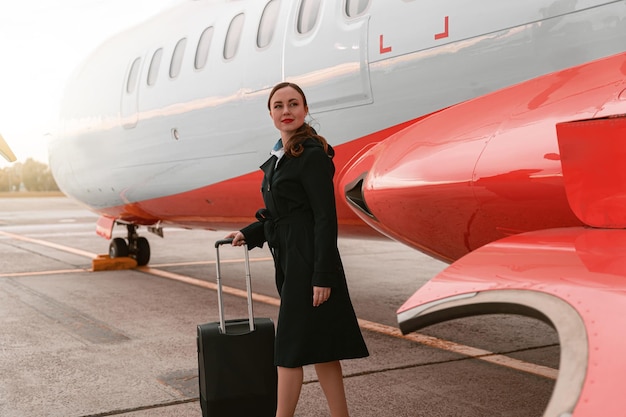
<point x="485" y="135"/>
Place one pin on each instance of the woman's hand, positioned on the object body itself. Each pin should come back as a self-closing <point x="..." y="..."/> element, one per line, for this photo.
<point x="320" y="295"/>
<point x="238" y="238"/>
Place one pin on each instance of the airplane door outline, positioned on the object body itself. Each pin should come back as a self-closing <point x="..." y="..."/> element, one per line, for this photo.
<point x="130" y="93"/>
<point x="267" y="71"/>
<point x="341" y="78"/>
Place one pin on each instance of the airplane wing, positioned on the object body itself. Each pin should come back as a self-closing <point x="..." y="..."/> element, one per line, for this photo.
<point x="571" y="278"/>
<point x="5" y="151"/>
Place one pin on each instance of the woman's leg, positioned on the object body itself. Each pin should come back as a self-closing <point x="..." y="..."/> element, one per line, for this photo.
<point x="331" y="380"/>
<point x="289" y="386"/>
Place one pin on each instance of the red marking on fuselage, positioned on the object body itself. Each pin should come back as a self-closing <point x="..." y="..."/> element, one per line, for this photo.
<point x="231" y="204"/>
<point x="384" y="49"/>
<point x="446" y="31"/>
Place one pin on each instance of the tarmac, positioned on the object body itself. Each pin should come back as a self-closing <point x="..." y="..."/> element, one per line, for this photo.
<point x="79" y="343"/>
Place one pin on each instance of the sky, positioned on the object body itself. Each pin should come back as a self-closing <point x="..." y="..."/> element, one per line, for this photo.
<point x="41" y="43"/>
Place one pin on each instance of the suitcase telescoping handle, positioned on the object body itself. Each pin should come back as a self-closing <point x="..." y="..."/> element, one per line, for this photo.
<point x="220" y="301"/>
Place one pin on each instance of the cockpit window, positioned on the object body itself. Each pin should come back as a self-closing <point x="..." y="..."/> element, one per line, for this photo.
<point x="233" y="36"/>
<point x="177" y="58"/>
<point x="267" y="25"/>
<point x="356" y="8"/>
<point x="202" y="53"/>
<point x="308" y="15"/>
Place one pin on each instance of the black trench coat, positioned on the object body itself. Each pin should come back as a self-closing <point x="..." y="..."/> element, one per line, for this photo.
<point x="300" y="225"/>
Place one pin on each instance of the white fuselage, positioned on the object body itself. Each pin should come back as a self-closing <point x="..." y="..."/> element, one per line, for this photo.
<point x="168" y="131"/>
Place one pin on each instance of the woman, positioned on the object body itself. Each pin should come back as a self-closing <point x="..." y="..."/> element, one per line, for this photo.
<point x="316" y="320"/>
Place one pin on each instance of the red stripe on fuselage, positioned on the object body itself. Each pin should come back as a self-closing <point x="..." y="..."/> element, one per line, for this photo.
<point x="232" y="204"/>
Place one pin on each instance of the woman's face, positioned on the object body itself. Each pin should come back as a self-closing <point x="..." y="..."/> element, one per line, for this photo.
<point x="288" y="111"/>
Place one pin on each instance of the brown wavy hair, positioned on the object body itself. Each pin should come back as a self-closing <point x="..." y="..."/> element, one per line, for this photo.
<point x="294" y="147"/>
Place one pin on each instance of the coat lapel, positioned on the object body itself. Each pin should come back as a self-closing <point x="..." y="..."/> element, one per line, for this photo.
<point x="268" y="168"/>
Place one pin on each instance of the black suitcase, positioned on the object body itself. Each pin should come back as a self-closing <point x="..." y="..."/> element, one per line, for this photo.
<point x="237" y="375"/>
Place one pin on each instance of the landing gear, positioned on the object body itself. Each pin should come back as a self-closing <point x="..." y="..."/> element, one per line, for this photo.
<point x="118" y="248"/>
<point x="137" y="246"/>
<point x="142" y="251"/>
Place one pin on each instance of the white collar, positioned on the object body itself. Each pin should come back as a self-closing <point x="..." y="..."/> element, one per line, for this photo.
<point x="278" y="150"/>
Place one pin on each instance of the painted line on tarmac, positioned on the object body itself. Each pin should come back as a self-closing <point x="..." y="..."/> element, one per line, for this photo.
<point x="39" y="273"/>
<point x="222" y="261"/>
<point x="210" y="285"/>
<point x="481" y="354"/>
<point x="475" y="353"/>
<point x="50" y="245"/>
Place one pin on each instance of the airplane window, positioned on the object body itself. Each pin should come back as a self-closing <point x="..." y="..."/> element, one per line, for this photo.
<point x="202" y="53"/>
<point x="308" y="14"/>
<point x="177" y="58"/>
<point x="133" y="75"/>
<point x="153" y="72"/>
<point x="356" y="7"/>
<point x="267" y="24"/>
<point x="233" y="36"/>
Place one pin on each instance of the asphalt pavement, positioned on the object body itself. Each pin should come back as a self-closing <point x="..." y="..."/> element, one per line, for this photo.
<point x="78" y="343"/>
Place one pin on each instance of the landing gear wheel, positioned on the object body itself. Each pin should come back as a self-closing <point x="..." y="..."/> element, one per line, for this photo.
<point x="133" y="246"/>
<point x="118" y="248"/>
<point x="142" y="253"/>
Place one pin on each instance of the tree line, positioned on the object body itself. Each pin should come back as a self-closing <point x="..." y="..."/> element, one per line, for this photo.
<point x="30" y="175"/>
